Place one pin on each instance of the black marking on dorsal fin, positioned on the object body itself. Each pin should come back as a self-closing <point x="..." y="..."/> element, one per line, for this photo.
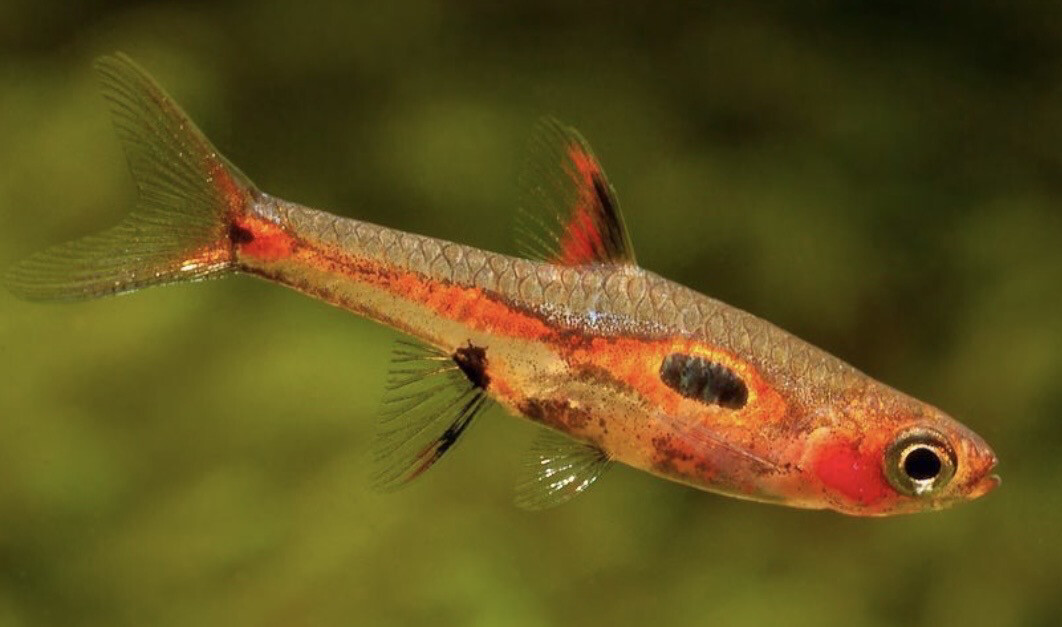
<point x="704" y="380"/>
<point x="432" y="398"/>
<point x="571" y="217"/>
<point x="559" y="469"/>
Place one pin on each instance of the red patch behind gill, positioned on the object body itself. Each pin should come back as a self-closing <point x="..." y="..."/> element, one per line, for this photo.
<point x="856" y="475"/>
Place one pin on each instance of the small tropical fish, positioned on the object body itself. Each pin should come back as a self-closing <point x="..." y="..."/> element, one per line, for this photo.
<point x="616" y="363"/>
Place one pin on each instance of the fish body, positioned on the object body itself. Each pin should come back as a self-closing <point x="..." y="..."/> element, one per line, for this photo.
<point x="629" y="366"/>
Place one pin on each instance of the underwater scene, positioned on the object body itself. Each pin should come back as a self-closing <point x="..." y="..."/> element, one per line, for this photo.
<point x="878" y="180"/>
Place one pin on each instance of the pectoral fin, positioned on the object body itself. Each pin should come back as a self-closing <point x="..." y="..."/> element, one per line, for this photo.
<point x="714" y="445"/>
<point x="432" y="398"/>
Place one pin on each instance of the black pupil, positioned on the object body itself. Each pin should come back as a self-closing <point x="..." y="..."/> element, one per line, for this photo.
<point x="921" y="464"/>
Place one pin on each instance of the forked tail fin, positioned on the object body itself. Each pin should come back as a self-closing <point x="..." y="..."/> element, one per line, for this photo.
<point x="188" y="195"/>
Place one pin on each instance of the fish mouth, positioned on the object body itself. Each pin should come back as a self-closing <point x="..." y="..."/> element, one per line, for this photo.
<point x="985" y="485"/>
<point x="989" y="481"/>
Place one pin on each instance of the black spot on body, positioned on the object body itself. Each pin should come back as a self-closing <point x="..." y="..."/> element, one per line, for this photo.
<point x="239" y="235"/>
<point x="472" y="360"/>
<point x="704" y="380"/>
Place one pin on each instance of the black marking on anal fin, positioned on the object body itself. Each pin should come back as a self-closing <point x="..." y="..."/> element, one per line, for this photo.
<point x="704" y="380"/>
<point x="432" y="398"/>
<point x="560" y="468"/>
<point x="571" y="215"/>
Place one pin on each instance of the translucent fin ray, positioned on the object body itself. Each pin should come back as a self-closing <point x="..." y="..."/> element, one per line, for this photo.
<point x="558" y="470"/>
<point x="429" y="404"/>
<point x="178" y="229"/>
<point x="572" y="216"/>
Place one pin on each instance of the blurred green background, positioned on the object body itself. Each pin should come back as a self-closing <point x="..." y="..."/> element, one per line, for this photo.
<point x="883" y="179"/>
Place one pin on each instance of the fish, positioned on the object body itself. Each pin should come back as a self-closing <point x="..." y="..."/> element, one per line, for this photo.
<point x="616" y="364"/>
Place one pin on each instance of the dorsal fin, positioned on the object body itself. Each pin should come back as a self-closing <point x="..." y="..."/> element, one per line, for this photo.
<point x="572" y="217"/>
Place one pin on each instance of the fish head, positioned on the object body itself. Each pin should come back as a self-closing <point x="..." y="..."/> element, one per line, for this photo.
<point x="891" y="454"/>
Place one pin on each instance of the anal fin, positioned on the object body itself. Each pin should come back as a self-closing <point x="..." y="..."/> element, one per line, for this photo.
<point x="432" y="398"/>
<point x="560" y="469"/>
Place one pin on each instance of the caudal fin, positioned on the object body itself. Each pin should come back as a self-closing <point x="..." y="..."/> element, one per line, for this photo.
<point x="188" y="195"/>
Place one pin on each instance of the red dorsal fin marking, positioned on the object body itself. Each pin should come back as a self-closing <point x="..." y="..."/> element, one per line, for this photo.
<point x="573" y="203"/>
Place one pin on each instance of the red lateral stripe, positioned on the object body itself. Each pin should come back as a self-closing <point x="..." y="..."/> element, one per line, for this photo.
<point x="266" y="243"/>
<point x="468" y="305"/>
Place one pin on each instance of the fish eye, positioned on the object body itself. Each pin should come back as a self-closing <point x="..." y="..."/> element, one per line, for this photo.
<point x="919" y="462"/>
